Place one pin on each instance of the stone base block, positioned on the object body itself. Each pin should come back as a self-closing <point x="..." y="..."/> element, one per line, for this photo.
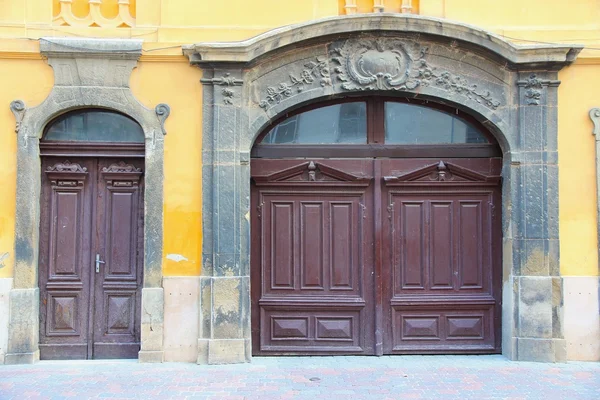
<point x="22" y="358"/>
<point x="222" y="351"/>
<point x="181" y="318"/>
<point x="150" y="356"/>
<point x="5" y="286"/>
<point x="23" y="328"/>
<point x="541" y="350"/>
<point x="582" y="317"/>
<point x="152" y="321"/>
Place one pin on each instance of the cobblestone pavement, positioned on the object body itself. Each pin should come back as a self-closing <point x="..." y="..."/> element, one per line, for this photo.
<point x="331" y="378"/>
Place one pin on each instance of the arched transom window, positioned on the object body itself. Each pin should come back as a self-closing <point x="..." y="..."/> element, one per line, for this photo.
<point x="376" y="127"/>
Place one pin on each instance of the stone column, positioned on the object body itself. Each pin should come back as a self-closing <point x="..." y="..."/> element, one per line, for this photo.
<point x="536" y="324"/>
<point x="224" y="316"/>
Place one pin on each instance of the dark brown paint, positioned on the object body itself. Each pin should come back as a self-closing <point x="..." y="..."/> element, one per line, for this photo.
<point x="425" y="234"/>
<point x="90" y="206"/>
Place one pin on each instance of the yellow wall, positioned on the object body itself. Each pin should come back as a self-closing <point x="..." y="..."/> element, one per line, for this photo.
<point x="577" y="94"/>
<point x="169" y="23"/>
<point x="30" y="81"/>
<point x="179" y="87"/>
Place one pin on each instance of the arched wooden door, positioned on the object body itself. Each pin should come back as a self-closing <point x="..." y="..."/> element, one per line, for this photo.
<point x="91" y="236"/>
<point x="376" y="230"/>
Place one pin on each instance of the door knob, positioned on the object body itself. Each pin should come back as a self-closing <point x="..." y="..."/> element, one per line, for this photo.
<point x="98" y="262"/>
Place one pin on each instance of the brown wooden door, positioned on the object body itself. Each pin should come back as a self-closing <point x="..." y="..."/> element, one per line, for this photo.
<point x="312" y="255"/>
<point x="90" y="208"/>
<point x="441" y="246"/>
<point x="375" y="256"/>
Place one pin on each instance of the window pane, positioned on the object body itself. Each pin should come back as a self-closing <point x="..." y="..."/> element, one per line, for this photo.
<point x="415" y="124"/>
<point x="95" y="126"/>
<point x="340" y="123"/>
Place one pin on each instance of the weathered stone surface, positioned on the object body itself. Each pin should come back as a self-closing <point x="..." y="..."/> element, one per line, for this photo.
<point x="227" y="351"/>
<point x="478" y="72"/>
<point x="87" y="73"/>
<point x="5" y="286"/>
<point x="152" y="325"/>
<point x="182" y="300"/>
<point x="541" y="350"/>
<point x="23" y="328"/>
<point x="535" y="307"/>
<point x="582" y="317"/>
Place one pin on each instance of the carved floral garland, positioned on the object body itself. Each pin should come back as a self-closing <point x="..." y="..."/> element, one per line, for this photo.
<point x="318" y="69"/>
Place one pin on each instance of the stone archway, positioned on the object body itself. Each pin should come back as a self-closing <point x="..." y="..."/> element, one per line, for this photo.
<point x="510" y="89"/>
<point x="88" y="73"/>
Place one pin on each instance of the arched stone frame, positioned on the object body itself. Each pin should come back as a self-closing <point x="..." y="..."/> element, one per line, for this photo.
<point x="88" y="73"/>
<point x="511" y="89"/>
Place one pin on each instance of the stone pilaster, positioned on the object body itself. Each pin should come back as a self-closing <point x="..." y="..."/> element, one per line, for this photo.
<point x="224" y="317"/>
<point x="537" y="333"/>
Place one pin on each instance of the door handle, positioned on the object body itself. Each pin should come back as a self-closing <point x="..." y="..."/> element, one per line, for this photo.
<point x="98" y="262"/>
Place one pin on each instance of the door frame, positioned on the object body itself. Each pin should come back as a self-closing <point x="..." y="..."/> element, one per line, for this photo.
<point x="512" y="90"/>
<point x="86" y="75"/>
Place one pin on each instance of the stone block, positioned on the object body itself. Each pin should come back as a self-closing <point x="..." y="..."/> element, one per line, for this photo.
<point x="5" y="286"/>
<point x="205" y="322"/>
<point x="539" y="350"/>
<point x="202" y="351"/>
<point x="227" y="351"/>
<point x="150" y="356"/>
<point x="182" y="295"/>
<point x="23" y="328"/>
<point x="152" y="326"/>
<point x="226" y="319"/>
<point x="535" y="307"/>
<point x="582" y="317"/>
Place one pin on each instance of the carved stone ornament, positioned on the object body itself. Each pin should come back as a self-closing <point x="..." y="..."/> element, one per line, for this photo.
<point x="533" y="88"/>
<point x="226" y="80"/>
<point x="396" y="64"/>
<point x="18" y="109"/>
<point x="162" y="112"/>
<point x="317" y="70"/>
<point x="595" y="116"/>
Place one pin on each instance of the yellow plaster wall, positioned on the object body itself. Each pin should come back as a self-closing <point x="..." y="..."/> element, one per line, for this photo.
<point x="33" y="90"/>
<point x="577" y="94"/>
<point x="168" y="23"/>
<point x="177" y="84"/>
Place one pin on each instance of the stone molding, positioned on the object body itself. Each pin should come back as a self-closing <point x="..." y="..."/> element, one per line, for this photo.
<point x="88" y="73"/>
<point x="278" y="39"/>
<point x="511" y="89"/>
<point x="595" y="117"/>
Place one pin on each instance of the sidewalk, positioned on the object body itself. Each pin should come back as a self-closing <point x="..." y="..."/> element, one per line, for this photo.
<point x="331" y="378"/>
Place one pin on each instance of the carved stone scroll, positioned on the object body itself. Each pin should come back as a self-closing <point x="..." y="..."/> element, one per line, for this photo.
<point x="397" y="64"/>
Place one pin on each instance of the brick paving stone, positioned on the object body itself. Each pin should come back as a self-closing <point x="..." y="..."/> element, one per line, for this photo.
<point x="329" y="378"/>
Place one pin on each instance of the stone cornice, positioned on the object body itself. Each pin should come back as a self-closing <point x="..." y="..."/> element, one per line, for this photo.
<point x="516" y="56"/>
<point x="91" y="48"/>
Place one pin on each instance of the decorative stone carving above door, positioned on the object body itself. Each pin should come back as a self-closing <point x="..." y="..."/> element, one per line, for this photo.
<point x="396" y="55"/>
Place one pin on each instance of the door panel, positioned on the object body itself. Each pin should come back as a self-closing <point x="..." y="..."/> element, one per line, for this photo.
<point x="311" y="246"/>
<point x="65" y="239"/>
<point x="315" y="235"/>
<point x="86" y="210"/>
<point x="118" y="282"/>
<point x="442" y="240"/>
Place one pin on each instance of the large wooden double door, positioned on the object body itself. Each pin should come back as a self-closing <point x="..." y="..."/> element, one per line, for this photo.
<point x="376" y="256"/>
<point x="90" y="264"/>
